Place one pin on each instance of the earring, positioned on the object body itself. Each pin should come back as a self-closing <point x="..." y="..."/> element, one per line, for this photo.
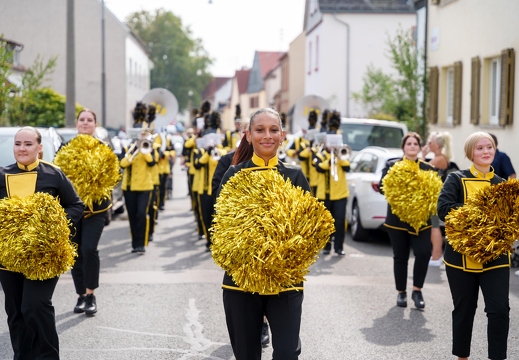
<point x="280" y="143"/>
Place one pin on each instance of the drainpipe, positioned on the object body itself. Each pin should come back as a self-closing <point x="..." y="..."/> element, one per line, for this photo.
<point x="347" y="62"/>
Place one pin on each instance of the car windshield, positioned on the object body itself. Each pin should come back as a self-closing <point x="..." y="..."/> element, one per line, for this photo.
<point x="6" y="150"/>
<point x="358" y="136"/>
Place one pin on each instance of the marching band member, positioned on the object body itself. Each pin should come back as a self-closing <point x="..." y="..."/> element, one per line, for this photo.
<point x="232" y="137"/>
<point x="244" y="311"/>
<point x="300" y="144"/>
<point x="153" y="206"/>
<point x="403" y="236"/>
<point x="466" y="276"/>
<point x="206" y="162"/>
<point x="137" y="185"/>
<point x="28" y="303"/>
<point x="166" y="158"/>
<point x="85" y="272"/>
<point x="332" y="191"/>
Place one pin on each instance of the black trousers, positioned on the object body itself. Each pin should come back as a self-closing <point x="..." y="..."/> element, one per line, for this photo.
<point x="30" y="316"/>
<point x="162" y="189"/>
<point x="464" y="288"/>
<point x="153" y="211"/>
<point x="85" y="272"/>
<point x="338" y="210"/>
<point x="136" y="203"/>
<point x="244" y="316"/>
<point x="197" y="210"/>
<point x="207" y="212"/>
<point x="402" y="242"/>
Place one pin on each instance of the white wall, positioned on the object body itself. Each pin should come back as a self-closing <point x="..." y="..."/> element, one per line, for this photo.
<point x="368" y="34"/>
<point x="469" y="28"/>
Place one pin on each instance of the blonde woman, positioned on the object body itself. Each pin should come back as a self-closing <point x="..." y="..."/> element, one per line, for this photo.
<point x="440" y="144"/>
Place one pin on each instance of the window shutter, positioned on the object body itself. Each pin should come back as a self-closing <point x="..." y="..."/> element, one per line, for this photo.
<point x="458" y="72"/>
<point x="433" y="95"/>
<point x="474" y="90"/>
<point x="506" y="103"/>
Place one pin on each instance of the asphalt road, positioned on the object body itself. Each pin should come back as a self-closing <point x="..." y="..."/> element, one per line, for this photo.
<point x="167" y="304"/>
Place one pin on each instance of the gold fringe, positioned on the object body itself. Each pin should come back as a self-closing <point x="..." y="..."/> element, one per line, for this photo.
<point x="92" y="167"/>
<point x="488" y="224"/>
<point x="267" y="232"/>
<point x="35" y="237"/>
<point x="412" y="192"/>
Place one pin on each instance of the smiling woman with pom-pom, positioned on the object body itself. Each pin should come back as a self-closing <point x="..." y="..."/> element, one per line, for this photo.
<point x="39" y="206"/>
<point x="267" y="231"/>
<point x="480" y="214"/>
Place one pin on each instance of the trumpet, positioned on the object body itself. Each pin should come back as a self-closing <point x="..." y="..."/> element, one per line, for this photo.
<point x="143" y="146"/>
<point x="342" y="152"/>
<point x="215" y="153"/>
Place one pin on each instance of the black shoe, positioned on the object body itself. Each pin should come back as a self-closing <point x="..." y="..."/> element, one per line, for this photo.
<point x="90" y="304"/>
<point x="265" y="338"/>
<point x="150" y="237"/>
<point x="80" y="306"/>
<point x="326" y="252"/>
<point x="134" y="250"/>
<point x="340" y="252"/>
<point x="418" y="299"/>
<point x="161" y="207"/>
<point x="141" y="250"/>
<point x="401" y="299"/>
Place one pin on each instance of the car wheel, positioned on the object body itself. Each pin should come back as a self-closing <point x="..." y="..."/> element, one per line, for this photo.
<point x="358" y="233"/>
<point x="109" y="216"/>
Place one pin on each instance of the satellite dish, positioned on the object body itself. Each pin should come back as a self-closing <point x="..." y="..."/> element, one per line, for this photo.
<point x="166" y="105"/>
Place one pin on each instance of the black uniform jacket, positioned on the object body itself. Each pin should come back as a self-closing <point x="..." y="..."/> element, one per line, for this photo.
<point x="222" y="167"/>
<point x="41" y="176"/>
<point x="393" y="221"/>
<point x="293" y="173"/>
<point x="458" y="186"/>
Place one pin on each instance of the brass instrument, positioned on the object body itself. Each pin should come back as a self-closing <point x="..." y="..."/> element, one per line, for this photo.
<point x="143" y="146"/>
<point x="339" y="151"/>
<point x="216" y="154"/>
<point x="282" y="153"/>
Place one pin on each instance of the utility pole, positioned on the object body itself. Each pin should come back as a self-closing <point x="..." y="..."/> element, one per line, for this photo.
<point x="70" y="105"/>
<point x="103" y="70"/>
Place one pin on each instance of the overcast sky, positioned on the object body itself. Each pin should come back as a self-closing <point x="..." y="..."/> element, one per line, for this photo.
<point x="230" y="30"/>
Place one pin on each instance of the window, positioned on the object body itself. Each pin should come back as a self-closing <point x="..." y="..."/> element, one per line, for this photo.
<point x="309" y="58"/>
<point x="495" y="90"/>
<point x="450" y="95"/>
<point x="317" y="53"/>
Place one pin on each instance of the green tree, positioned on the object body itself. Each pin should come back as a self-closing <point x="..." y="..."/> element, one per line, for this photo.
<point x="32" y="81"/>
<point x="6" y="88"/>
<point x="396" y="95"/>
<point x="46" y="108"/>
<point x="180" y="62"/>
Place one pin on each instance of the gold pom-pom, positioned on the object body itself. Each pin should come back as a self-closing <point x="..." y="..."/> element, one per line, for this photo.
<point x="487" y="225"/>
<point x="92" y="167"/>
<point x="267" y="232"/>
<point x="412" y="192"/>
<point x="35" y="237"/>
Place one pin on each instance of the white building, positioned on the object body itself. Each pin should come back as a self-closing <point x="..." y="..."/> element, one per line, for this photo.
<point x="41" y="27"/>
<point x="342" y="38"/>
<point x="471" y="47"/>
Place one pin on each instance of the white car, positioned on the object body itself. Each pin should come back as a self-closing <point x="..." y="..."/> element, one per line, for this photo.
<point x="359" y="133"/>
<point x="366" y="208"/>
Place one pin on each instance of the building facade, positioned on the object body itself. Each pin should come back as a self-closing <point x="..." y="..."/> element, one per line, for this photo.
<point x="41" y="27"/>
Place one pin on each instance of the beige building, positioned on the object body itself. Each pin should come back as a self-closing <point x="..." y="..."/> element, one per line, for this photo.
<point x="41" y="27"/>
<point x="471" y="46"/>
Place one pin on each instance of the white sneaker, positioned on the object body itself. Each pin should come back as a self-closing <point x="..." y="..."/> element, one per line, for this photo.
<point x="439" y="262"/>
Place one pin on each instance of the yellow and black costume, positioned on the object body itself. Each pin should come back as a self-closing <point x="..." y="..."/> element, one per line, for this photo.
<point x="32" y="326"/>
<point x="466" y="276"/>
<point x="137" y="185"/>
<point x="244" y="310"/>
<point x="94" y="170"/>
<point x="403" y="237"/>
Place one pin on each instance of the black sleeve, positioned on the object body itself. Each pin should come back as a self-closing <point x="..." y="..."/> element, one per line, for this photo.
<point x="450" y="195"/>
<point x="219" y="172"/>
<point x="384" y="173"/>
<point x="69" y="199"/>
<point x="301" y="181"/>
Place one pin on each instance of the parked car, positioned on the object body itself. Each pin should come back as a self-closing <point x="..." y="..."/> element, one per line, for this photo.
<point x="366" y="207"/>
<point x="49" y="137"/>
<point x="359" y="133"/>
<point x="104" y="135"/>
